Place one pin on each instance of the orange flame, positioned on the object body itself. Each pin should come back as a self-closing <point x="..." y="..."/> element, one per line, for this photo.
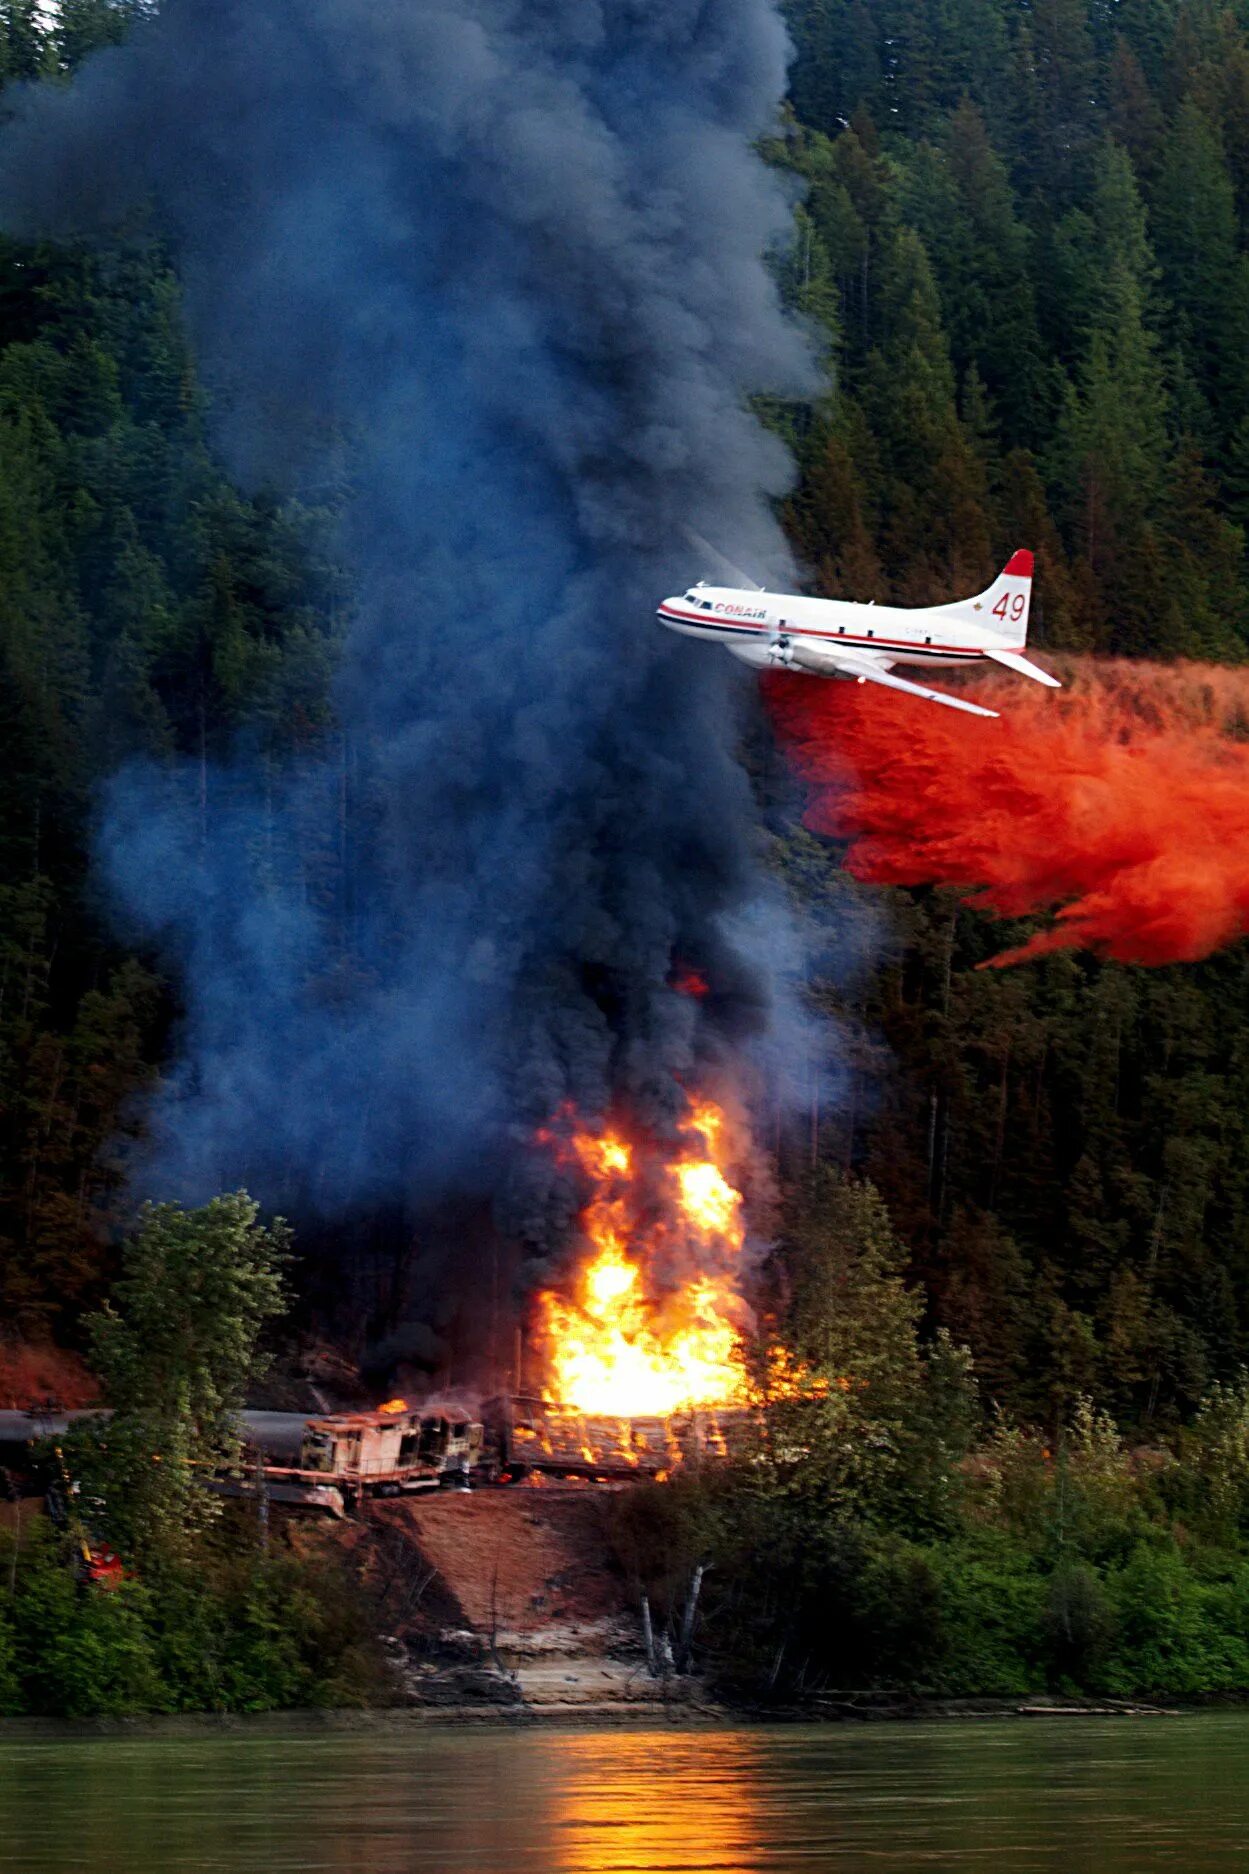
<point x="655" y="1316"/>
<point x="394" y="1405"/>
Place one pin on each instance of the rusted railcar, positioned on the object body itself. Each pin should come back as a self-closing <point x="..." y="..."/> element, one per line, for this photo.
<point x="345" y="1456"/>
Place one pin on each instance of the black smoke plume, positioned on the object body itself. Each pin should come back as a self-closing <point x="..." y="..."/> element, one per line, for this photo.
<point x="511" y="249"/>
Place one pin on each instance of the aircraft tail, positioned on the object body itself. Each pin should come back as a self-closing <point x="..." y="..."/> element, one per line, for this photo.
<point x="1005" y="606"/>
<point x="1022" y="666"/>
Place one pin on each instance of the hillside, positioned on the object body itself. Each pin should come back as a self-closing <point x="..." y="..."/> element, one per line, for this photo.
<point x="364" y="843"/>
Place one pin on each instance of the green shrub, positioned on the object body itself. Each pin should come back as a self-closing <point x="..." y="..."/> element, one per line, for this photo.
<point x="1176" y="1634"/>
<point x="10" y="1683"/>
<point x="1079" y="1624"/>
<point x="992" y="1619"/>
<point x="102" y="1662"/>
<point x="230" y="1631"/>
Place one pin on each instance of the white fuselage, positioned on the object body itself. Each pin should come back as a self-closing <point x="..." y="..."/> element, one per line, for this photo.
<point x="765" y="629"/>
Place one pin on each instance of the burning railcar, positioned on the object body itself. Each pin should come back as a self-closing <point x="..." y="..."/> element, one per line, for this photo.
<point x="649" y="1319"/>
<point x="333" y="1462"/>
<point x="639" y="1345"/>
<point x="533" y="1436"/>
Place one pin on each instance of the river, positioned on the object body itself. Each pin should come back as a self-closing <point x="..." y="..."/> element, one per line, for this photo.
<point x="1106" y="1796"/>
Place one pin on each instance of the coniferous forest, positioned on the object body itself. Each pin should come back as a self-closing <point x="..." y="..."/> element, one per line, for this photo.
<point x="1025" y="234"/>
<point x="1022" y="239"/>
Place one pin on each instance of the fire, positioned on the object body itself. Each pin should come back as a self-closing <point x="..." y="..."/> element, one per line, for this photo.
<point x="655" y="1316"/>
<point x="393" y="1405"/>
<point x="708" y="1199"/>
<point x="787" y="1378"/>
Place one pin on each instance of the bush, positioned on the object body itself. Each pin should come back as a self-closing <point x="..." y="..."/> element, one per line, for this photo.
<point x="1079" y="1624"/>
<point x="234" y="1631"/>
<point x="1176" y="1634"/>
<point x="1060" y="1564"/>
<point x="101" y="1663"/>
<point x="10" y="1684"/>
<point x="994" y="1641"/>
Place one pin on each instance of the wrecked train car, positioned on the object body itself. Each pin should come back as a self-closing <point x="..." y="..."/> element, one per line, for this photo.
<point x="530" y="1435"/>
<point x="331" y="1462"/>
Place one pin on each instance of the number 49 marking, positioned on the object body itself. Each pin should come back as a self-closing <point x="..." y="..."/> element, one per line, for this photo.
<point x="1010" y="606"/>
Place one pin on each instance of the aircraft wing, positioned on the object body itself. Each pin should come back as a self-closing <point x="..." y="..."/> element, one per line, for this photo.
<point x="846" y="664"/>
<point x="1022" y="667"/>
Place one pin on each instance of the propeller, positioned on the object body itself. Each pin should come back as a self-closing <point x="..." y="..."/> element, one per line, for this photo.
<point x="739" y="578"/>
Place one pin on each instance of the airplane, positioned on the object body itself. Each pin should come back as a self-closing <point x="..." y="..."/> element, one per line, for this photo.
<point x="832" y="638"/>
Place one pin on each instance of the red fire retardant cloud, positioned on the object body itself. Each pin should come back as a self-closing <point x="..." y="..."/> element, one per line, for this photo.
<point x="1120" y="805"/>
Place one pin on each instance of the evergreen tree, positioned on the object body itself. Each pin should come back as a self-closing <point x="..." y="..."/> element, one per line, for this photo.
<point x="85" y="26"/>
<point x="959" y="199"/>
<point x="1193" y="221"/>
<point x="830" y="516"/>
<point x="1134" y="117"/>
<point x="1112" y="444"/>
<point x="25" y="48"/>
<point x="1055" y="88"/>
<point x="931" y="488"/>
<point x="839" y="64"/>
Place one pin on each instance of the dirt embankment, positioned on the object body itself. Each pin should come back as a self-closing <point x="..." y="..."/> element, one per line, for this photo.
<point x="31" y="1375"/>
<point x="509" y="1598"/>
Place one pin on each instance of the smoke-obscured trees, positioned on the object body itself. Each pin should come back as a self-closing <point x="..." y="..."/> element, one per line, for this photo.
<point x="146" y="609"/>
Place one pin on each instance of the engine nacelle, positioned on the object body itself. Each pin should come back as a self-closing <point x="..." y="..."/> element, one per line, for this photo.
<point x="786" y="656"/>
<point x="780" y="654"/>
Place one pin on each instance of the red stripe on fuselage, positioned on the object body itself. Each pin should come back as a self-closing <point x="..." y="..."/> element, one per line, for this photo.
<point x="709" y="622"/>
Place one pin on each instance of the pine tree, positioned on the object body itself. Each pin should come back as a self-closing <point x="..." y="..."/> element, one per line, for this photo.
<point x="1062" y="613"/>
<point x="959" y="198"/>
<point x="1149" y="26"/>
<point x="1205" y="613"/>
<point x="839" y="64"/>
<point x="1194" y="227"/>
<point x="829" y="517"/>
<point x="84" y="26"/>
<point x="1111" y="448"/>
<point x="25" y="40"/>
<point x="1134" y="117"/>
<point x="1055" y="85"/>
<point x="932" y="489"/>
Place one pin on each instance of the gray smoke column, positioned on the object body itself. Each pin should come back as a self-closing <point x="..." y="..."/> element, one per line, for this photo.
<point x="512" y="248"/>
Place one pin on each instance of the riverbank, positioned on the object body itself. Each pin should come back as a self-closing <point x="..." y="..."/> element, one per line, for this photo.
<point x="698" y="1712"/>
<point x="492" y="1610"/>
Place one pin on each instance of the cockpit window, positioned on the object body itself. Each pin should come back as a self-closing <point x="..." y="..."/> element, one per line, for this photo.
<point x="691" y="598"/>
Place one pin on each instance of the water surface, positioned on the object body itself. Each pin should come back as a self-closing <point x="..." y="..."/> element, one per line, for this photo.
<point x="1110" y="1796"/>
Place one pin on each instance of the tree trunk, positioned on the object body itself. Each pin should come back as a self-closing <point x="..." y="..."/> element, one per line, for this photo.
<point x="686" y="1642"/>
<point x="648" y="1638"/>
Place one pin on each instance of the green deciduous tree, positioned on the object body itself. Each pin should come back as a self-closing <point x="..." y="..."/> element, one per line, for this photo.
<point x="174" y="1349"/>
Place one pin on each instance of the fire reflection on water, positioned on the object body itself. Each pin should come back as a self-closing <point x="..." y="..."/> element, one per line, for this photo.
<point x="1067" y="1793"/>
<point x="679" y="1802"/>
<point x="393" y="1801"/>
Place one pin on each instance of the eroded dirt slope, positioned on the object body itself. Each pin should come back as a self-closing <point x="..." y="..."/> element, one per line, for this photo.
<point x="532" y="1611"/>
<point x="517" y="1561"/>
